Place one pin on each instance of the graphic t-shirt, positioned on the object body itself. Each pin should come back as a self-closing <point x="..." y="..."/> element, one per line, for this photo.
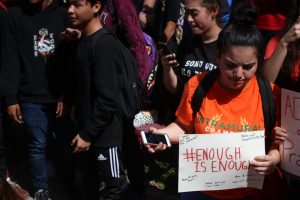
<point x="225" y="112"/>
<point x="34" y="54"/>
<point x="284" y="80"/>
<point x="168" y="11"/>
<point x="195" y="57"/>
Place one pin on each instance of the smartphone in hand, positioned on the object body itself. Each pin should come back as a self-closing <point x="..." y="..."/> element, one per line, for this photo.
<point x="155" y="139"/>
<point x="165" y="48"/>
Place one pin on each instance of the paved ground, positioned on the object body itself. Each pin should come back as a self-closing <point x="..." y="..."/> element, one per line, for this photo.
<point x="20" y="172"/>
<point x="58" y="194"/>
<point x="21" y="175"/>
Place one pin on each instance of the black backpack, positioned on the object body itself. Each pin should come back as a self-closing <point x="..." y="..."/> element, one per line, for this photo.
<point x="266" y="94"/>
<point x="131" y="87"/>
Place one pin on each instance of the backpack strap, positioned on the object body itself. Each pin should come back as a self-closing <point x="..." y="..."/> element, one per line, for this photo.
<point x="202" y="90"/>
<point x="100" y="33"/>
<point x="268" y="106"/>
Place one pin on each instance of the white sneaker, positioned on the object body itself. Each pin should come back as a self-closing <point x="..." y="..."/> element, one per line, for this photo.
<point x="41" y="195"/>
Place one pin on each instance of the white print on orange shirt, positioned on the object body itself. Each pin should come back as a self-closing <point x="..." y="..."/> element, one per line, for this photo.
<point x="215" y="125"/>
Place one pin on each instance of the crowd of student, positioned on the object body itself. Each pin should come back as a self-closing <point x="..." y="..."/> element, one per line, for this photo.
<point x="63" y="70"/>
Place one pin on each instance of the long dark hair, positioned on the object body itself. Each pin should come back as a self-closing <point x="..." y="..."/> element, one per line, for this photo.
<point x="241" y="29"/>
<point x="293" y="50"/>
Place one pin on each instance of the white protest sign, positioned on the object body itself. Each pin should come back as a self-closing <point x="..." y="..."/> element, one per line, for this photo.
<point x="219" y="161"/>
<point x="290" y="120"/>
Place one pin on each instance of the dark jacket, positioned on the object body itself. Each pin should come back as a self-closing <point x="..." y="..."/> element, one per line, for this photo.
<point x="33" y="52"/>
<point x="99" y="79"/>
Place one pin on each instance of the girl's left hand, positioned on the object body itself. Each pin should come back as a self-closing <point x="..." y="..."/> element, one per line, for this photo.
<point x="264" y="164"/>
<point x="280" y="135"/>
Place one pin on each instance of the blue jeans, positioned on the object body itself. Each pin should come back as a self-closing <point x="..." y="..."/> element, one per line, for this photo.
<point x="38" y="119"/>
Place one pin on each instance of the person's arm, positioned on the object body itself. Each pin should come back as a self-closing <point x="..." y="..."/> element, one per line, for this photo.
<point x="274" y="152"/>
<point x="106" y="81"/>
<point x="273" y="65"/>
<point x="169" y="31"/>
<point x="170" y="78"/>
<point x="266" y="164"/>
<point x="172" y="16"/>
<point x="280" y="135"/>
<point x="170" y="64"/>
<point x="173" y="130"/>
<point x="168" y="61"/>
<point x="10" y="69"/>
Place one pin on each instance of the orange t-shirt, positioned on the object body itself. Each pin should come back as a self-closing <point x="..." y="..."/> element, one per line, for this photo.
<point x="225" y="112"/>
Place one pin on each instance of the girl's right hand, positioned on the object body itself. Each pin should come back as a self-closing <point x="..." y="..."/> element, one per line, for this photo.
<point x="168" y="61"/>
<point x="155" y="148"/>
<point x="293" y="34"/>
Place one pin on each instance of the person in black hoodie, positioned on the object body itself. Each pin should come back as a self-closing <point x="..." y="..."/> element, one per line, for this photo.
<point x="33" y="74"/>
<point x="99" y="85"/>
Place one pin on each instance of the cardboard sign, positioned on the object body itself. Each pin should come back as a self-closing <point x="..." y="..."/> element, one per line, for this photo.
<point x="290" y="120"/>
<point x="219" y="161"/>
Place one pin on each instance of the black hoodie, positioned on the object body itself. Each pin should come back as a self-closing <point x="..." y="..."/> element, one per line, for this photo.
<point x="32" y="65"/>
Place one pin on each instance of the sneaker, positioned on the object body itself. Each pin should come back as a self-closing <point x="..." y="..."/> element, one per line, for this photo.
<point x="141" y="119"/>
<point x="20" y="191"/>
<point x="41" y="195"/>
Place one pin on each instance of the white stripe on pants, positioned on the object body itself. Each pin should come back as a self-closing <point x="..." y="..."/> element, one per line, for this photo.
<point x="114" y="162"/>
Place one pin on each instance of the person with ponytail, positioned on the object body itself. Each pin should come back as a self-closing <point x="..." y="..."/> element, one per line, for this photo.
<point x="234" y="94"/>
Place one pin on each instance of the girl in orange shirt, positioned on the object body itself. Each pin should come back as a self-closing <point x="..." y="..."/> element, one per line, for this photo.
<point x="233" y="100"/>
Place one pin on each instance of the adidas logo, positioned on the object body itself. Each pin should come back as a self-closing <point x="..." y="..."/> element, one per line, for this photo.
<point x="101" y="157"/>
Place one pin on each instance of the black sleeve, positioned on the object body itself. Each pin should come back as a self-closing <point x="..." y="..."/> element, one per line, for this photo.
<point x="2" y="19"/>
<point x="106" y="83"/>
<point x="10" y="69"/>
<point x="172" y="10"/>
